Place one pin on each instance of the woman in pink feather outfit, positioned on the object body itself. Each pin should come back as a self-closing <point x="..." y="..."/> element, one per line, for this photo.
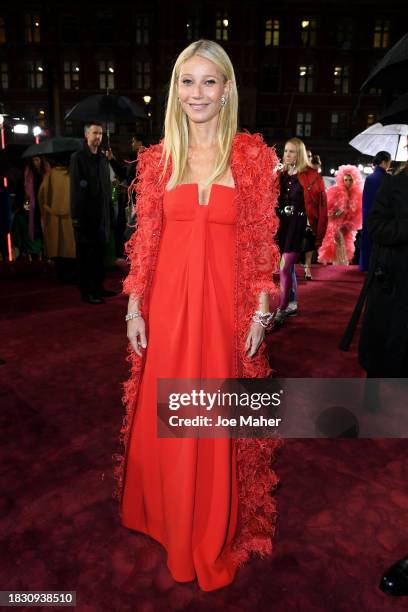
<point x="344" y="201"/>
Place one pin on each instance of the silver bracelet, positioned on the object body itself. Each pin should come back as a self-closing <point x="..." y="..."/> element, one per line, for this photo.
<point x="132" y="315"/>
<point x="263" y="318"/>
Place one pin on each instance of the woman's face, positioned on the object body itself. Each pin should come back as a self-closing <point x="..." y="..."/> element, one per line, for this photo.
<point x="348" y="180"/>
<point x="289" y="154"/>
<point x="200" y="88"/>
<point x="36" y="162"/>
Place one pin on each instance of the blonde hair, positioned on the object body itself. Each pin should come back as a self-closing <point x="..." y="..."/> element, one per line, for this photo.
<point x="176" y="129"/>
<point x="302" y="162"/>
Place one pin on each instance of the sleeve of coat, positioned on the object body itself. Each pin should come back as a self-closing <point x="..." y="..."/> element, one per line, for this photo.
<point x="77" y="189"/>
<point x="323" y="215"/>
<point x="142" y="247"/>
<point x="260" y="235"/>
<point x="119" y="169"/>
<point x="382" y="223"/>
<point x="43" y="194"/>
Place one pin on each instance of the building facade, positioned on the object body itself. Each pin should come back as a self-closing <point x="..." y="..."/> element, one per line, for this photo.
<point x="299" y="65"/>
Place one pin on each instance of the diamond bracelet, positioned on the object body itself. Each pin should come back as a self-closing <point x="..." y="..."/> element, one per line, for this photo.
<point x="263" y="318"/>
<point x="132" y="315"/>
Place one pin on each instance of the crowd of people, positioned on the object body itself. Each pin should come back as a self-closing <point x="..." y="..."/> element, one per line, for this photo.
<point x="72" y="209"/>
<point x="72" y="206"/>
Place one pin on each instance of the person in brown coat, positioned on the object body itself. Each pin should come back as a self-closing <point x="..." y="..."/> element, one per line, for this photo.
<point x="59" y="240"/>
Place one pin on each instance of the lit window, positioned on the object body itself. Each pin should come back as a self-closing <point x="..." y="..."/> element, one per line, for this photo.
<point x="193" y="29"/>
<point x="71" y="74"/>
<point x="341" y="80"/>
<point x="106" y="74"/>
<point x="32" y="28"/>
<point x="308" y="32"/>
<point x="272" y="29"/>
<point x="304" y="124"/>
<point x="221" y="26"/>
<point x="34" y="74"/>
<point x="305" y="79"/>
<point x="143" y="75"/>
<point x="371" y="119"/>
<point x="381" y="34"/>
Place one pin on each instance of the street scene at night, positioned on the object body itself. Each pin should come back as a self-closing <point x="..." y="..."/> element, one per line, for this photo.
<point x="204" y="306"/>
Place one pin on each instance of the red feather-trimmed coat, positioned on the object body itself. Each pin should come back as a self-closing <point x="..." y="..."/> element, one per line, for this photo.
<point x="315" y="202"/>
<point x="253" y="167"/>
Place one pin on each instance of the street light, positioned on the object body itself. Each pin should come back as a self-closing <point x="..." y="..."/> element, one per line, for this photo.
<point x="147" y="99"/>
<point x="36" y="132"/>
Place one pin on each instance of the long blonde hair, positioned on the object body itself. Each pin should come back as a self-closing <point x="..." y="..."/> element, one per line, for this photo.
<point x="176" y="130"/>
<point x="302" y="162"/>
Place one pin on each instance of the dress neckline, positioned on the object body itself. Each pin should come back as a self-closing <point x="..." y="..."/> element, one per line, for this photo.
<point x="211" y="190"/>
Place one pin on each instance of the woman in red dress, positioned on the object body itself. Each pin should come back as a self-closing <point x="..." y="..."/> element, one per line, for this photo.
<point x="202" y="261"/>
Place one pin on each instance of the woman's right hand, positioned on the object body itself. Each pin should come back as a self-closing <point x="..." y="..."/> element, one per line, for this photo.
<point x="136" y="333"/>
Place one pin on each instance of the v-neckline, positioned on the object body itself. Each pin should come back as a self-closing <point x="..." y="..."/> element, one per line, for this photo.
<point x="197" y="191"/>
<point x="211" y="192"/>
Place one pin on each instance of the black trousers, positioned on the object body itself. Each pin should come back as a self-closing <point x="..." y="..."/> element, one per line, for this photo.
<point x="91" y="271"/>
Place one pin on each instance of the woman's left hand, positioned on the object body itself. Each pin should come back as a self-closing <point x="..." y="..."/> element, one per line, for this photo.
<point x="254" y="338"/>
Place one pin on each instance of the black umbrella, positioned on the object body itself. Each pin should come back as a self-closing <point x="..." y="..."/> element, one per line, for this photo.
<point x="391" y="71"/>
<point x="52" y="146"/>
<point x="397" y="112"/>
<point x="106" y="108"/>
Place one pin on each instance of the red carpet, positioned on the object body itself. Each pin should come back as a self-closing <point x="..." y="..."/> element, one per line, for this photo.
<point x="342" y="504"/>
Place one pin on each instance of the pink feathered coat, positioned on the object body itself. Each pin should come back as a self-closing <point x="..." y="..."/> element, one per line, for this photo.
<point x="345" y="217"/>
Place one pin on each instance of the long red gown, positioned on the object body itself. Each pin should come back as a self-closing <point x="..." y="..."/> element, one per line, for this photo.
<point x="183" y="492"/>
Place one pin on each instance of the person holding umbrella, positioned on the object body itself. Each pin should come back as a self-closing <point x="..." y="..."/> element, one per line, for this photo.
<point x="54" y="200"/>
<point x="91" y="212"/>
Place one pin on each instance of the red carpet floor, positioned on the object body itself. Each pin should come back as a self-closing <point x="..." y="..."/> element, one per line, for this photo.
<point x="343" y="504"/>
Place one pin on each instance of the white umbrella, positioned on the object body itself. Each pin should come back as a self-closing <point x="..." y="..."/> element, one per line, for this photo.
<point x="391" y="138"/>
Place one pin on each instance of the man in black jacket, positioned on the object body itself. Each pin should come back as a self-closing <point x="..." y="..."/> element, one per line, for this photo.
<point x="383" y="349"/>
<point x="91" y="210"/>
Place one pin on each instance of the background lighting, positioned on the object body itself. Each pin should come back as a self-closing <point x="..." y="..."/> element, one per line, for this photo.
<point x="20" y="128"/>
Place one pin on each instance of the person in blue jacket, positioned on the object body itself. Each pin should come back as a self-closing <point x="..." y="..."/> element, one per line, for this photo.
<point x="381" y="163"/>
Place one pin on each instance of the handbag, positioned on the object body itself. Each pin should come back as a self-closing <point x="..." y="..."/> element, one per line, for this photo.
<point x="308" y="240"/>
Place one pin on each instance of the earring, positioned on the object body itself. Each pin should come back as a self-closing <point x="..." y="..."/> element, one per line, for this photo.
<point x="223" y="100"/>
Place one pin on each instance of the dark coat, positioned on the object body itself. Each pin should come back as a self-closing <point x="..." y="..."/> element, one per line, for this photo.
<point x="124" y="172"/>
<point x="91" y="195"/>
<point x="384" y="335"/>
<point x="372" y="184"/>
